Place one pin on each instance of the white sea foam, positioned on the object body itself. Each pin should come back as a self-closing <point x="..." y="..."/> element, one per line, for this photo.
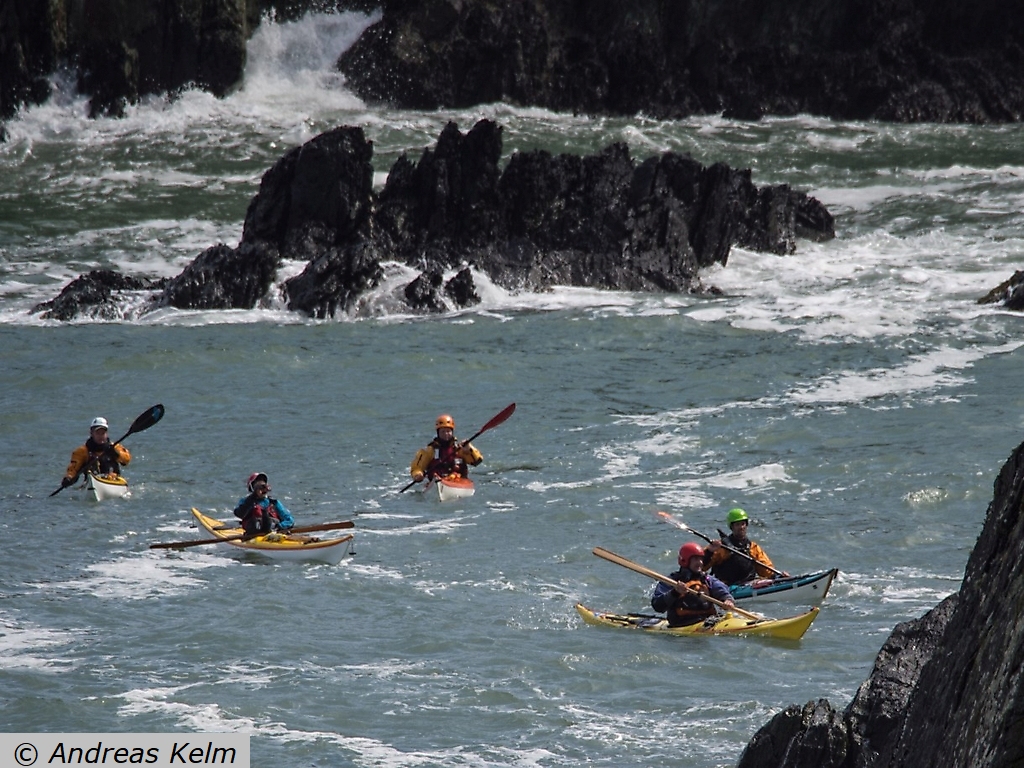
<point x="139" y="577"/>
<point x="27" y="646"/>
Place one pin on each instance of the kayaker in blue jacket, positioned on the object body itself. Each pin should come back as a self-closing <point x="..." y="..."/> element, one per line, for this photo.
<point x="681" y="605"/>
<point x="259" y="512"/>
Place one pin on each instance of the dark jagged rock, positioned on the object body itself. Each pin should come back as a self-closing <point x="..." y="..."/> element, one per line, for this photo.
<point x="224" y="278"/>
<point x="462" y="289"/>
<point x="1010" y="293"/>
<point x="125" y="49"/>
<point x="425" y="292"/>
<point x="110" y="72"/>
<point x="598" y="220"/>
<point x="331" y="283"/>
<point x="428" y="291"/>
<point x="94" y="294"/>
<point x="33" y="39"/>
<point x="946" y="689"/>
<point x="316" y="197"/>
<point x="896" y="60"/>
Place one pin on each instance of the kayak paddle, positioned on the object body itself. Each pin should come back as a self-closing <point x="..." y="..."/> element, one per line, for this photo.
<point x="680" y="524"/>
<point x="500" y="418"/>
<point x="141" y="424"/>
<point x="620" y="560"/>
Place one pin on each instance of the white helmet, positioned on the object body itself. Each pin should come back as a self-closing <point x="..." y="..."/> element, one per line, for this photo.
<point x="99" y="421"/>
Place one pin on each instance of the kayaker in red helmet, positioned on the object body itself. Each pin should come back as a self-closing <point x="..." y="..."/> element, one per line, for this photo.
<point x="444" y="455"/>
<point x="259" y="513"/>
<point x="682" y="606"/>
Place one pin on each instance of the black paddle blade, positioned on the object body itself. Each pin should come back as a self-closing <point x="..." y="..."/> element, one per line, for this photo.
<point x="148" y="419"/>
<point x="145" y="421"/>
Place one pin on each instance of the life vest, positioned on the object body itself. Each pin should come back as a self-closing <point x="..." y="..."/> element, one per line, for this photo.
<point x="446" y="459"/>
<point x="690" y="608"/>
<point x="736" y="569"/>
<point x="259" y="518"/>
<point x="101" y="461"/>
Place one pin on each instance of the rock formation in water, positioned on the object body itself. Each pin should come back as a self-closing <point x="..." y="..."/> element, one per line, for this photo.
<point x="600" y="220"/>
<point x="124" y="49"/>
<point x="1010" y="293"/>
<point x="946" y="689"/>
<point x="893" y="60"/>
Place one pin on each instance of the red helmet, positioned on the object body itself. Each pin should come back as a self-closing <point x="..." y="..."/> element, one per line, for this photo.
<point x="254" y="477"/>
<point x="688" y="550"/>
<point x="444" y="420"/>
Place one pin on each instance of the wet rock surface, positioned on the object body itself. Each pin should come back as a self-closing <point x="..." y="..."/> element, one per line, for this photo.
<point x="892" y="60"/>
<point x="601" y="220"/>
<point x="945" y="689"/>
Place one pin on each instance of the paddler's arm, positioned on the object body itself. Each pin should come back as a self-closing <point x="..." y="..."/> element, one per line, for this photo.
<point x="418" y="469"/>
<point x="79" y="458"/>
<point x="285" y="517"/>
<point x="469" y="454"/>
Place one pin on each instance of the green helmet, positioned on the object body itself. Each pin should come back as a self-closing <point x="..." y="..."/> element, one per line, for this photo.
<point x="735" y="516"/>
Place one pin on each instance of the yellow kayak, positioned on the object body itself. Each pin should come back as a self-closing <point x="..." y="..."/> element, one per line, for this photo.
<point x="792" y="628"/>
<point x="277" y="545"/>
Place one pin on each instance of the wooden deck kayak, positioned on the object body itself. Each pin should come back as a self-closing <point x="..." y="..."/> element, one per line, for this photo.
<point x="791" y="628"/>
<point x="276" y="545"/>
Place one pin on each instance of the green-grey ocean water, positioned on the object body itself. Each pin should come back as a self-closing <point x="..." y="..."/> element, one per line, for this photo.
<point x="852" y="397"/>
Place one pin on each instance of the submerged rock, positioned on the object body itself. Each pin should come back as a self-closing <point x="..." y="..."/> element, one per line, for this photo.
<point x="946" y="690"/>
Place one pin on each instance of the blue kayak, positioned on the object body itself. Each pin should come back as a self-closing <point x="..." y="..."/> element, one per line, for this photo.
<point x="808" y="589"/>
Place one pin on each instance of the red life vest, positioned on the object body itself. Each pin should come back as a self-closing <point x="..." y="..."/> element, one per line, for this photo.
<point x="446" y="459"/>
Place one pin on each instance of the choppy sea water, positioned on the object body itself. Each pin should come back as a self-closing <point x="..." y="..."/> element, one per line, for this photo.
<point x="853" y="398"/>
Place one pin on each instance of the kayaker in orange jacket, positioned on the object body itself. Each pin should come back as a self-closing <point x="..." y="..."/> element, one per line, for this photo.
<point x="444" y="455"/>
<point x="98" y="455"/>
<point x="736" y="569"/>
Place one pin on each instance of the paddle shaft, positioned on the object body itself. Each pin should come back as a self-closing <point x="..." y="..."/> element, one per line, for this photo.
<point x="242" y="536"/>
<point x="680" y="524"/>
<point x="735" y="551"/>
<point x="620" y="560"/>
<point x="144" y="421"/>
<point x="500" y="418"/>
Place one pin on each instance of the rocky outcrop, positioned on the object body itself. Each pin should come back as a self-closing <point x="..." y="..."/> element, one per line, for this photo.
<point x="598" y="220"/>
<point x="125" y="49"/>
<point x="1010" y="293"/>
<point x="102" y="294"/>
<point x="895" y="60"/>
<point x="946" y="690"/>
